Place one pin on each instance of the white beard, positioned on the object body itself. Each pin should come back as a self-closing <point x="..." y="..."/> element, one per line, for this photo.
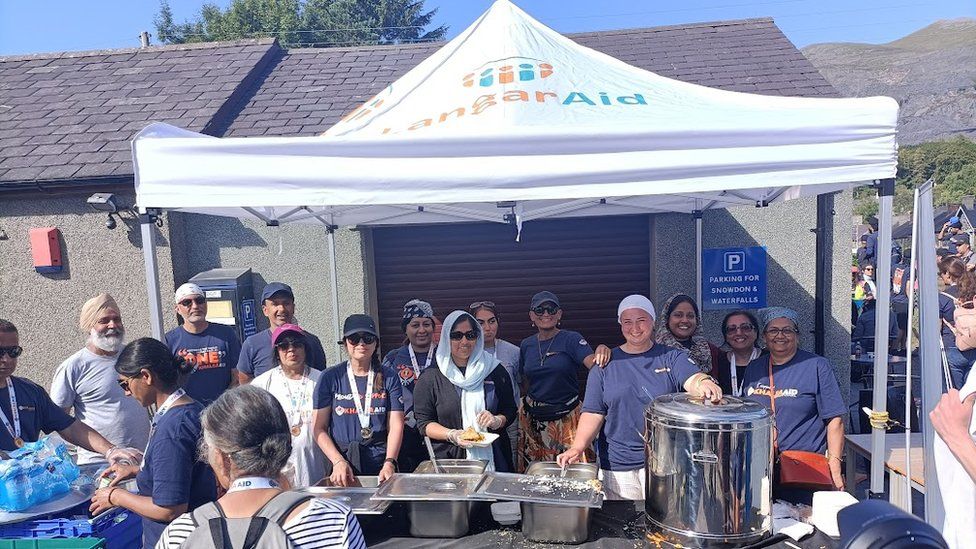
<point x="111" y="341"/>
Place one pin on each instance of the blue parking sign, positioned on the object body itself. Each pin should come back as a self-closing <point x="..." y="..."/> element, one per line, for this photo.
<point x="734" y="278"/>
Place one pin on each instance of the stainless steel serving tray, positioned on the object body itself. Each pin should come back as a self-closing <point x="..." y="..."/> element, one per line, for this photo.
<point x="358" y="499"/>
<point x="428" y="487"/>
<point x="566" y="492"/>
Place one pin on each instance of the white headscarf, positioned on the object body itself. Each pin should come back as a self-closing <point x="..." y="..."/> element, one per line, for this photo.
<point x="471" y="381"/>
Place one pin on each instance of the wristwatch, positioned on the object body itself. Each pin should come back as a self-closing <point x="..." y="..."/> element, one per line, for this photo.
<point x="396" y="466"/>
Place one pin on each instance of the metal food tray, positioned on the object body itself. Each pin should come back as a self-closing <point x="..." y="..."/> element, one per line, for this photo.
<point x="428" y="487"/>
<point x="539" y="489"/>
<point x="358" y="499"/>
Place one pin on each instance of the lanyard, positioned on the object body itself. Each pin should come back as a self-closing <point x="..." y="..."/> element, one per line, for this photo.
<point x="413" y="360"/>
<point x="361" y="411"/>
<point x="252" y="483"/>
<point x="15" y="414"/>
<point x="167" y="404"/>
<point x="297" y="404"/>
<point x="736" y="386"/>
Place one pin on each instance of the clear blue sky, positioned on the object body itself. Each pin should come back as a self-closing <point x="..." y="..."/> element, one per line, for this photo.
<point x="32" y="26"/>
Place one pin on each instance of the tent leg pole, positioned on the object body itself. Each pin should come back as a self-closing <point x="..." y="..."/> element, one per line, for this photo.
<point x="330" y="231"/>
<point x="886" y="193"/>
<point x="698" y="253"/>
<point x="931" y="359"/>
<point x="146" y="222"/>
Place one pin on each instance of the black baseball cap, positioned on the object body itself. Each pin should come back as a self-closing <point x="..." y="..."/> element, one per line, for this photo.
<point x="275" y="287"/>
<point x="961" y="238"/>
<point x="542" y="297"/>
<point x="358" y="324"/>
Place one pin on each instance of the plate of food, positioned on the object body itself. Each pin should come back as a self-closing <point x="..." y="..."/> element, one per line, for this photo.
<point x="478" y="439"/>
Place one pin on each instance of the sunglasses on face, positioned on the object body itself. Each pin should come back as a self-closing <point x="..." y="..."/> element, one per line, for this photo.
<point x="124" y="383"/>
<point x="12" y="352"/>
<point x="744" y="328"/>
<point x="545" y="309"/>
<point x="290" y="344"/>
<point x="356" y="339"/>
<point x="776" y="332"/>
<point x="199" y="300"/>
<point x="470" y="335"/>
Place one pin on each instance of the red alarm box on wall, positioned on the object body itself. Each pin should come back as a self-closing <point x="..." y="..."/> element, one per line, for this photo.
<point x="46" y="249"/>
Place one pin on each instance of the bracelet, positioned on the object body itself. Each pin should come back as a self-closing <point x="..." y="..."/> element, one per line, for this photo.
<point x="396" y="466"/>
<point x="830" y="457"/>
<point x="110" y="496"/>
<point x="703" y="378"/>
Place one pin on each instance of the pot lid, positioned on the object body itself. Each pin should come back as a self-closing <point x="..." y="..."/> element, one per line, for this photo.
<point x="687" y="409"/>
<point x="357" y="499"/>
<point x="550" y="490"/>
<point x="427" y="487"/>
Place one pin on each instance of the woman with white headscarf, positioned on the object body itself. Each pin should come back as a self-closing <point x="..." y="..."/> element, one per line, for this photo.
<point x="616" y="397"/>
<point x="468" y="390"/>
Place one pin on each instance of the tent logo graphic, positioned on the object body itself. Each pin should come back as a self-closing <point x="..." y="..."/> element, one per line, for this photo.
<point x="507" y="71"/>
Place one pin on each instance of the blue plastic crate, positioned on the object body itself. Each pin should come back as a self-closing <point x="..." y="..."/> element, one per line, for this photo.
<point x="47" y="529"/>
<point x="120" y="528"/>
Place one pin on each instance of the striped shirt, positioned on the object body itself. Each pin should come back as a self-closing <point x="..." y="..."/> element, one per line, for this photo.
<point x="323" y="524"/>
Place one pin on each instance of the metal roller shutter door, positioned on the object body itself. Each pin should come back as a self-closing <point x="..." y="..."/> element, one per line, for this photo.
<point x="590" y="263"/>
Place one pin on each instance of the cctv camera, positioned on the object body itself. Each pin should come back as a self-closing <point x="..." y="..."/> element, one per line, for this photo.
<point x="110" y="222"/>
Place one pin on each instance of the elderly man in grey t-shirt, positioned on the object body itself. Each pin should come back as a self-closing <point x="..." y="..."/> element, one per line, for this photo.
<point x="87" y="382"/>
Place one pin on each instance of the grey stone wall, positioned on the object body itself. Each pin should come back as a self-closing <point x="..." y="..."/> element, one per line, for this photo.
<point x="45" y="308"/>
<point x="296" y="254"/>
<point x="784" y="228"/>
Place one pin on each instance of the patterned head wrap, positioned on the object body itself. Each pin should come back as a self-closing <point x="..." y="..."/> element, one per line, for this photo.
<point x="416" y="308"/>
<point x="699" y="351"/>
<point x="770" y="314"/>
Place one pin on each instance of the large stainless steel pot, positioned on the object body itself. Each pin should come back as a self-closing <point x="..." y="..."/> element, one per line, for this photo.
<point x="444" y="519"/>
<point x="709" y="471"/>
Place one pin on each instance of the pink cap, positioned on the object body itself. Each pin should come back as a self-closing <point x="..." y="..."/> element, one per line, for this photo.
<point x="283" y="329"/>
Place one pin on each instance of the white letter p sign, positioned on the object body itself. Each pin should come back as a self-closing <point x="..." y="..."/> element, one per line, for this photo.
<point x="735" y="262"/>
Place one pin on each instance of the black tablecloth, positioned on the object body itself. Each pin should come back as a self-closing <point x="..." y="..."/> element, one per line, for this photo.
<point x="618" y="524"/>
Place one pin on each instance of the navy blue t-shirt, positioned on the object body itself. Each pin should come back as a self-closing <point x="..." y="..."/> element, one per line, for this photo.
<point x="947" y="312"/>
<point x="38" y="413"/>
<point x="256" y="354"/>
<point x="398" y="360"/>
<point x="551" y="368"/>
<point x="333" y="390"/>
<point x="807" y="395"/>
<point x="213" y="352"/>
<point x="621" y="392"/>
<point x="172" y="474"/>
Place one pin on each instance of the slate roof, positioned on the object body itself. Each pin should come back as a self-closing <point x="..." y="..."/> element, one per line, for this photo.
<point x="70" y="116"/>
<point x="73" y="114"/>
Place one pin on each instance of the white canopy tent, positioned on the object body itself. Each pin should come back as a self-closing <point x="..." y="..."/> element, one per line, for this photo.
<point x="510" y="122"/>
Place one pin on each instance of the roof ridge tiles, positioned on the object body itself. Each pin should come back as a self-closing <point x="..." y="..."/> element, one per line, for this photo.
<point x="117" y="51"/>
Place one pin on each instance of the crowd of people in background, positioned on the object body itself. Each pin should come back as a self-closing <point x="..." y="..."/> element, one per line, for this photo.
<point x="273" y="412"/>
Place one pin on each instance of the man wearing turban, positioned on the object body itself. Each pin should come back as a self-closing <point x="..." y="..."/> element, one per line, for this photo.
<point x="87" y="382"/>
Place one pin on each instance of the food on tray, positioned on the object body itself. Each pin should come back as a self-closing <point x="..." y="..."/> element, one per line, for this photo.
<point x="471" y="435"/>
<point x="596" y="484"/>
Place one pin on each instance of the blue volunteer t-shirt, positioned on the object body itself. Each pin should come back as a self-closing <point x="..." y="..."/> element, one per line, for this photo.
<point x="256" y="354"/>
<point x="172" y="474"/>
<point x="333" y="390"/>
<point x="621" y="392"/>
<point x="807" y="395"/>
<point x="37" y="412"/>
<point x="551" y="367"/>
<point x="398" y="360"/>
<point x="213" y="352"/>
<point x="947" y="312"/>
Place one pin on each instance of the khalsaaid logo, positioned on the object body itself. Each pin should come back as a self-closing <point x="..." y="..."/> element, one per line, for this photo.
<point x="506" y="71"/>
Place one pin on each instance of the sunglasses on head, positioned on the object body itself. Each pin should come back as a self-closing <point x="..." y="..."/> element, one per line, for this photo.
<point x="199" y="300"/>
<point x="12" y="352"/>
<point x="545" y="309"/>
<point x="480" y="304"/>
<point x="470" y="335"/>
<point x="291" y="344"/>
<point x="356" y="339"/>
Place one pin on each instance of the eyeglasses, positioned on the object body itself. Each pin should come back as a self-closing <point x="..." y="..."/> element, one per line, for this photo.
<point x="480" y="304"/>
<point x="124" y="383"/>
<point x="545" y="309"/>
<point x="470" y="335"/>
<point x="199" y="300"/>
<point x="744" y="328"/>
<point x="356" y="339"/>
<point x="290" y="344"/>
<point x="12" y="352"/>
<point x="776" y="332"/>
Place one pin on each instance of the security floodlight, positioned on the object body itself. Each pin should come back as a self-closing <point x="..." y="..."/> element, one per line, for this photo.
<point x="103" y="202"/>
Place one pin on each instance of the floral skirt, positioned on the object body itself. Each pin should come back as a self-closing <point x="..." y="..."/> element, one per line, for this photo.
<point x="544" y="440"/>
